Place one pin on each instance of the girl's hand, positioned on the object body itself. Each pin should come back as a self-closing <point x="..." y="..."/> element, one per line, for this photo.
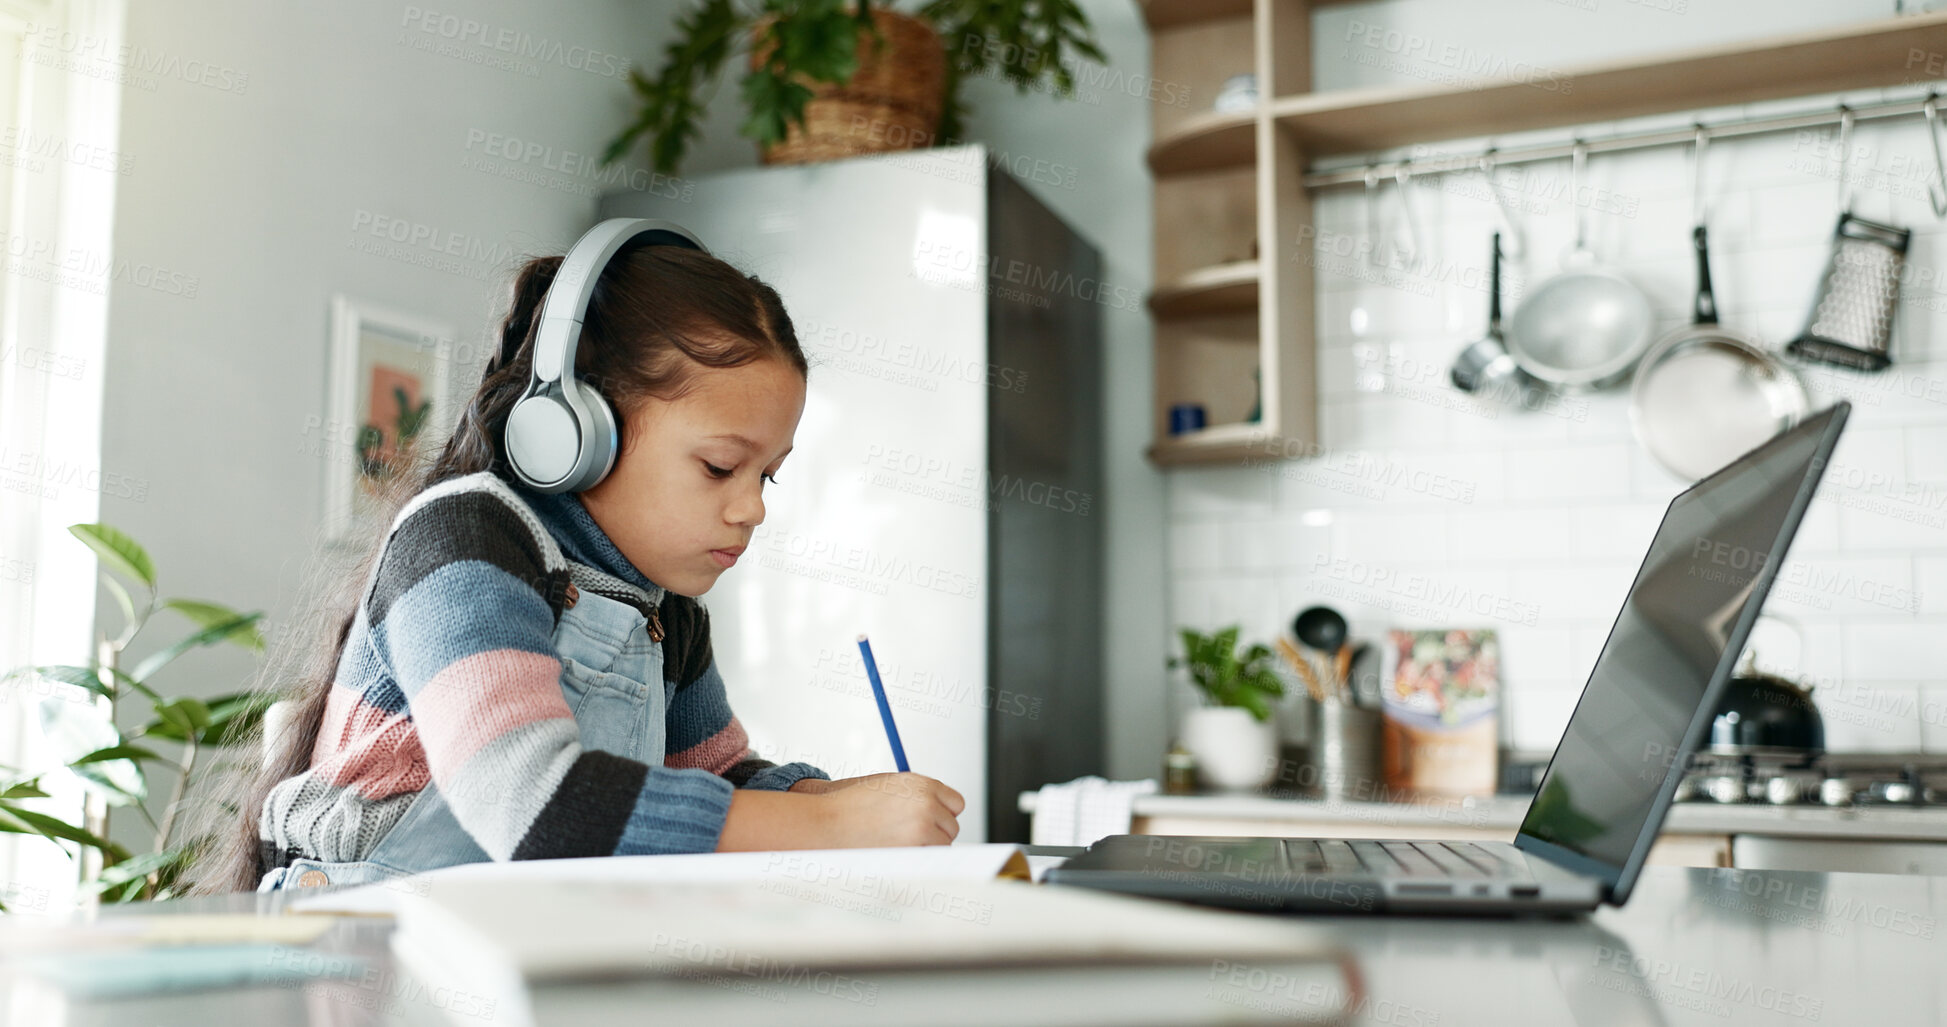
<point x="858" y="812"/>
<point x="890" y="809"/>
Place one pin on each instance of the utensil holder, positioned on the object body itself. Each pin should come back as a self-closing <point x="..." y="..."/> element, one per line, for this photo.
<point x="1344" y="752"/>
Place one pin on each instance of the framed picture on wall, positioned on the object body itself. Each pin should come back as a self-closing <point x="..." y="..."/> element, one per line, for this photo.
<point x="388" y="400"/>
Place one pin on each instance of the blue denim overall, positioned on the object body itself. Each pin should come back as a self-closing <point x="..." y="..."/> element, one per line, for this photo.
<point x="612" y="677"/>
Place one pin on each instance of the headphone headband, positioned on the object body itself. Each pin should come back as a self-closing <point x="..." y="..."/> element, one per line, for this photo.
<point x="574" y="284"/>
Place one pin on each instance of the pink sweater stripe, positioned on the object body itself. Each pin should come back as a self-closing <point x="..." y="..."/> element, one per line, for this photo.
<point x="479" y="698"/>
<point x="717" y="753"/>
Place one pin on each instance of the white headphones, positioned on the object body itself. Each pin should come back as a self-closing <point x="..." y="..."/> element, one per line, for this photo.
<point x="561" y="434"/>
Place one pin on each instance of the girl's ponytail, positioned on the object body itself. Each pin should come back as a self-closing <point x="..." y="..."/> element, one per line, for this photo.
<point x="303" y="662"/>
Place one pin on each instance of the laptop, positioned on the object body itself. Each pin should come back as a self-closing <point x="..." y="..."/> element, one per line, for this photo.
<point x="1602" y="800"/>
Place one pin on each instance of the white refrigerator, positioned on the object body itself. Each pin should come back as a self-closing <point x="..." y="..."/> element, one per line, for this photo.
<point x="944" y="496"/>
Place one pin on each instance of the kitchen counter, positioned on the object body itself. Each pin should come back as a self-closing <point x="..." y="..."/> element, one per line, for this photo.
<point x="1503" y="813"/>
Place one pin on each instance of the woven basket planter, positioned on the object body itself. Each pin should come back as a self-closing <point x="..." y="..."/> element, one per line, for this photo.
<point x="892" y="102"/>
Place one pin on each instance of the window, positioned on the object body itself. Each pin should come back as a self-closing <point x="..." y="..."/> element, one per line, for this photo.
<point x="57" y="192"/>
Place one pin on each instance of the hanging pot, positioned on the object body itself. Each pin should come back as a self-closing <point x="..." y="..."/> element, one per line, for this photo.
<point x="1704" y="396"/>
<point x="1586" y="327"/>
<point x="892" y="102"/>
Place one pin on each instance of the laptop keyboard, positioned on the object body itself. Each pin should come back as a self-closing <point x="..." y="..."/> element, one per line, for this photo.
<point x="1445" y="860"/>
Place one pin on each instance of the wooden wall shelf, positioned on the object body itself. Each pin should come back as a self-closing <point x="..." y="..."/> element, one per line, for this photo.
<point x="1226" y="288"/>
<point x="1222" y="443"/>
<point x="1206" y="142"/>
<point x="1163" y="14"/>
<point x="1862" y="56"/>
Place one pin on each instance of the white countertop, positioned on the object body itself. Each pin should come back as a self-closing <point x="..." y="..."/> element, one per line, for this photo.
<point x="1506" y="811"/>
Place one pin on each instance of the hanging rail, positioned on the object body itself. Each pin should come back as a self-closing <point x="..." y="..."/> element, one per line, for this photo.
<point x="1683" y="136"/>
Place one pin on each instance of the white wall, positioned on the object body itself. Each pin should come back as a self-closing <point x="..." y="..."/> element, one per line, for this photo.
<point x="256" y="196"/>
<point x="1545" y="515"/>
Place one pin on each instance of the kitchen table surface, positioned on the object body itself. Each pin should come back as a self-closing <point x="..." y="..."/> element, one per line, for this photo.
<point x="1504" y="812"/>
<point x="1691" y="947"/>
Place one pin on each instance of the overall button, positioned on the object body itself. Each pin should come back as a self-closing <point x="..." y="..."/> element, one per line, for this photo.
<point x="312" y="879"/>
<point x="574" y="595"/>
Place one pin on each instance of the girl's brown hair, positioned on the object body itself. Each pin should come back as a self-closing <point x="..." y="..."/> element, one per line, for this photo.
<point x="657" y="315"/>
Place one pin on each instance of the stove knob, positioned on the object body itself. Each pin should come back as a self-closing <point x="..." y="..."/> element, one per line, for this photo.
<point x="1835" y="792"/>
<point x="1896" y="791"/>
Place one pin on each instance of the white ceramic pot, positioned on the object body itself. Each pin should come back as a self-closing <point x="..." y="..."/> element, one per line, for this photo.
<point x="1233" y="749"/>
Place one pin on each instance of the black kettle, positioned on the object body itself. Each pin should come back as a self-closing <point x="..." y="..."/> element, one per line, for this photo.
<point x="1764" y="713"/>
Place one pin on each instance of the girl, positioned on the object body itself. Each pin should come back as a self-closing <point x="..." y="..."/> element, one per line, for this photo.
<point x="529" y="676"/>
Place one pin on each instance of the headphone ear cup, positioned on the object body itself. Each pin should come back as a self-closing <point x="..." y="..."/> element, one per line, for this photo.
<point x="600" y="437"/>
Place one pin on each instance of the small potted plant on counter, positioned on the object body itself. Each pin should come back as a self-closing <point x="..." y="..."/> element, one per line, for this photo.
<point x="1232" y="737"/>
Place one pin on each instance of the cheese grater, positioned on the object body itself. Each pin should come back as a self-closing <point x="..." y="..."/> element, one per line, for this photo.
<point x="1851" y="323"/>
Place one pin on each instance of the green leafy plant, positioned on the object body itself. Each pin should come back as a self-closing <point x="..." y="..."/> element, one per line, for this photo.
<point x="1029" y="43"/>
<point x="112" y="765"/>
<point x="1228" y="676"/>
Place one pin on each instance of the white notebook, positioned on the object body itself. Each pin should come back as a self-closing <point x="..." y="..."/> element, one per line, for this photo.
<point x="487" y="933"/>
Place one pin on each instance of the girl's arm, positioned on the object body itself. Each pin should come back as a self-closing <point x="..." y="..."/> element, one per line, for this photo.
<point x="458" y="612"/>
<point x="703" y="732"/>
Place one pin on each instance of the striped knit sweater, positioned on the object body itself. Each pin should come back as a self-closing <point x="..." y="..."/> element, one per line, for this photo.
<point x="450" y="675"/>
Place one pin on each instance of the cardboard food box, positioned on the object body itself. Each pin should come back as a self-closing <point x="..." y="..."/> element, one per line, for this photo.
<point x="1441" y="699"/>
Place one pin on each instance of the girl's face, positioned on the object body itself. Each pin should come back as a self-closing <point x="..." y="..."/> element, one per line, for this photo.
<point x="687" y="489"/>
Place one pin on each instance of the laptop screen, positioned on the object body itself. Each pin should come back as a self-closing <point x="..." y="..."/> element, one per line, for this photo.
<point x="1627" y="732"/>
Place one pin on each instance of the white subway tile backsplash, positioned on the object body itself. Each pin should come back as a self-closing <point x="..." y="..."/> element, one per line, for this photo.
<point x="1555" y="473"/>
<point x="1536" y="717"/>
<point x="1508" y="536"/>
<point x="1382" y="421"/>
<point x="1900" y="521"/>
<point x="1819" y="531"/>
<point x="1930" y="581"/>
<point x="1880" y="718"/>
<point x="1400" y="538"/>
<point x="1894" y="651"/>
<point x="1613" y="532"/>
<point x="1536" y="657"/>
<point x="1196" y="545"/>
<point x="1566" y="594"/>
<point x="1431" y="508"/>
<point x="1869" y="460"/>
<point x="1220" y="492"/>
<point x="1933" y="718"/>
<point x="1843" y="586"/>
<point x="1926" y="454"/>
<point x="1294" y="541"/>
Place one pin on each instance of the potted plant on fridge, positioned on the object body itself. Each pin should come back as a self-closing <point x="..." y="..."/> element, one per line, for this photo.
<point x="835" y="78"/>
<point x="1232" y="736"/>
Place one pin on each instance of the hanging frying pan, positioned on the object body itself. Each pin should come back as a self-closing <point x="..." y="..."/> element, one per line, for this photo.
<point x="1703" y="396"/>
<point x="1585" y="327"/>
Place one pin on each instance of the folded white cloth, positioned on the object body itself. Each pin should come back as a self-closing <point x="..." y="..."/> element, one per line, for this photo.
<point x="1085" y="810"/>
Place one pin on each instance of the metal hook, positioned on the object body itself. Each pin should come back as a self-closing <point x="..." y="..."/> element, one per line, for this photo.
<point x="1403" y="177"/>
<point x="1372" y="215"/>
<point x="1700" y="193"/>
<point x="1510" y="229"/>
<point x="1936" y="195"/>
<point x="1578" y="157"/>
<point x="1845" y="157"/>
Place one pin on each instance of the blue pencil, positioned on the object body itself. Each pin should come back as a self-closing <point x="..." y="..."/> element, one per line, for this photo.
<point x="885" y="708"/>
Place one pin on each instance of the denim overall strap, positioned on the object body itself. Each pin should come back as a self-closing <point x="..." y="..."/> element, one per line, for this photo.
<point x="612" y="680"/>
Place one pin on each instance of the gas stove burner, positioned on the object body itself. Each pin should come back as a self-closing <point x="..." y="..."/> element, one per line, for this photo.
<point x="1810" y="779"/>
